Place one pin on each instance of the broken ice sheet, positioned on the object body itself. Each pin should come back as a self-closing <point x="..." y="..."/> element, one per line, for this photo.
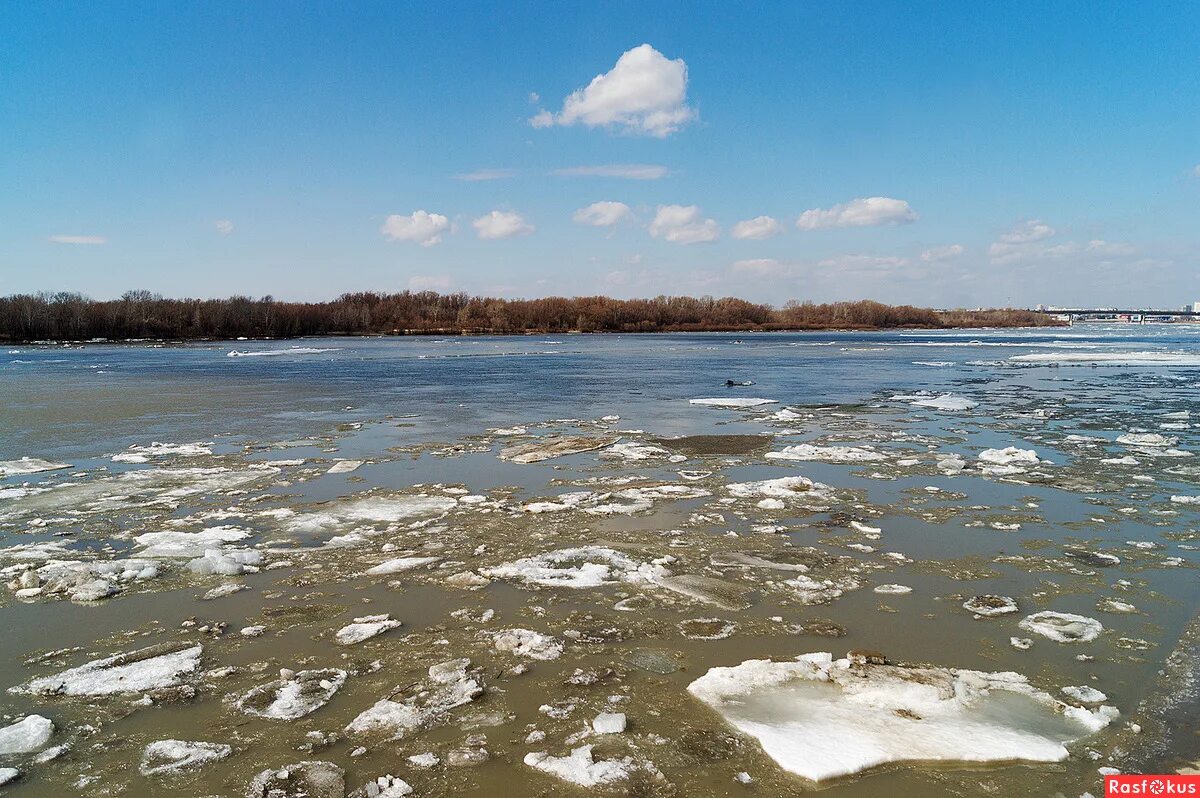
<point x="154" y="667"/>
<point x="822" y="718"/>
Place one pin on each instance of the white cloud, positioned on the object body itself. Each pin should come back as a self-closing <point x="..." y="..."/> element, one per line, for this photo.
<point x="424" y="228"/>
<point x="224" y="226"/>
<point x="486" y="174"/>
<point x="863" y="263"/>
<point x="861" y="212"/>
<point x="947" y="252"/>
<point x="79" y="240"/>
<point x="1196" y="170"/>
<point x="628" y="171"/>
<point x="1027" y="231"/>
<point x="760" y="267"/>
<point x="1109" y="248"/>
<point x="758" y="228"/>
<point x="603" y="214"/>
<point x="501" y="224"/>
<point x="645" y="93"/>
<point x="683" y="224"/>
<point x="429" y="282"/>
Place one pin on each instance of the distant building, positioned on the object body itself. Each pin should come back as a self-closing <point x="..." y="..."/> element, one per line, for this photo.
<point x="1196" y="307"/>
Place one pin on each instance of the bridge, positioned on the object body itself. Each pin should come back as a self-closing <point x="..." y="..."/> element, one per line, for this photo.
<point x="1137" y="315"/>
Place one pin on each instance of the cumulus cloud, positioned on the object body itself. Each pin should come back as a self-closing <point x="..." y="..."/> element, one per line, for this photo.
<point x="486" y="174"/>
<point x="645" y="93"/>
<point x="603" y="214"/>
<point x="79" y="240"/>
<point x="1027" y="231"/>
<point x="422" y="227"/>
<point x="501" y="224"/>
<point x="224" y="226"/>
<point x="758" y="228"/>
<point x="1027" y="241"/>
<point x="627" y="171"/>
<point x="861" y="212"/>
<point x="430" y="282"/>
<point x="683" y="224"/>
<point x="947" y="252"/>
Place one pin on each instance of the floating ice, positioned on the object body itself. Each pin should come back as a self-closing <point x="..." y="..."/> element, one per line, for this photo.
<point x="344" y="466"/>
<point x="227" y="562"/>
<point x="387" y="786"/>
<point x="450" y="686"/>
<point x="29" y="734"/>
<point x="365" y="628"/>
<point x="172" y="756"/>
<point x="370" y="509"/>
<point x="8" y="775"/>
<point x="151" y="668"/>
<point x="301" y="780"/>
<point x="401" y="564"/>
<point x="557" y="446"/>
<point x="1010" y="455"/>
<point x="28" y="465"/>
<point x="293" y="695"/>
<point x="1111" y="358"/>
<point x="527" y="643"/>
<point x="295" y="350"/>
<point x="142" y="454"/>
<point x="579" y="567"/>
<point x="820" y="718"/>
<point x="898" y="590"/>
<point x="798" y="490"/>
<point x="609" y="723"/>
<point x="828" y="454"/>
<point x="990" y="605"/>
<point x="732" y="402"/>
<point x="580" y="768"/>
<point x="188" y="544"/>
<point x="1085" y="694"/>
<point x="1063" y="627"/>
<point x="1149" y="440"/>
<point x="633" y="452"/>
<point x="947" y="403"/>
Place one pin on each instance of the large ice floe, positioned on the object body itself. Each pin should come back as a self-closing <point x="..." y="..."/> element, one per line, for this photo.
<point x="28" y="465"/>
<point x="556" y="446"/>
<point x="1064" y="627"/>
<point x="31" y="733"/>
<point x="370" y="509"/>
<point x="578" y="567"/>
<point x="294" y="694"/>
<point x="143" y="454"/>
<point x="822" y="718"/>
<point x="364" y="628"/>
<point x="733" y="402"/>
<point x="787" y="491"/>
<point x="152" y="668"/>
<point x="581" y="768"/>
<point x="828" y="454"/>
<point x="946" y="403"/>
<point x="450" y="685"/>
<point x="164" y="757"/>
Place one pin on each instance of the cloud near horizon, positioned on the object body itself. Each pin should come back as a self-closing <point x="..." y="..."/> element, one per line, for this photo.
<point x="422" y="227"/>
<point x="627" y="171"/>
<point x="645" y="93"/>
<point x="78" y="240"/>
<point x="486" y="174"/>
<point x="501" y="224"/>
<point x="861" y="212"/>
<point x="947" y="252"/>
<point x="683" y="224"/>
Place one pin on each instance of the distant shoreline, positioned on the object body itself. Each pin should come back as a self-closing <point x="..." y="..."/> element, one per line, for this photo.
<point x="140" y="315"/>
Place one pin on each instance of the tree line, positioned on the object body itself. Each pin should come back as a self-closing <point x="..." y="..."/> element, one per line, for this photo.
<point x="141" y="314"/>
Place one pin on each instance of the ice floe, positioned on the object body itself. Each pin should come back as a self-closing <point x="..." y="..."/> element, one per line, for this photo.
<point x="450" y="685"/>
<point x="828" y="454"/>
<point x="582" y="769"/>
<point x="400" y="565"/>
<point x="1063" y="627"/>
<point x="143" y="454"/>
<point x="822" y="718"/>
<point x="990" y="605"/>
<point x="557" y="446"/>
<point x="152" y="668"/>
<point x="294" y="694"/>
<point x="947" y="403"/>
<point x="733" y="402"/>
<point x="28" y="465"/>
<point x="365" y="628"/>
<point x="28" y="735"/>
<point x="527" y="643"/>
<point x="578" y="567"/>
<point x="172" y="756"/>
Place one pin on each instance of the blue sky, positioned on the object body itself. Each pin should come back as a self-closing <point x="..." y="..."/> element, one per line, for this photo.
<point x="952" y="154"/>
